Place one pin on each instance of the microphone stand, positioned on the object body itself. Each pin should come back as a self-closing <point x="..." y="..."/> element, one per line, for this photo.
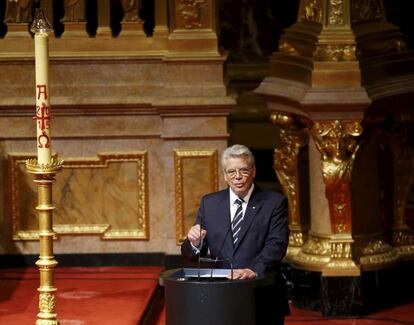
<point x="199" y="257"/>
<point x="212" y="269"/>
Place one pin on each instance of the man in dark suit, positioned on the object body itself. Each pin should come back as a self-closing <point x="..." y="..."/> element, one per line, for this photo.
<point x="242" y="224"/>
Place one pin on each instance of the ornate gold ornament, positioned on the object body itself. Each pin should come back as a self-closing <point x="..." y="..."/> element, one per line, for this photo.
<point x="365" y="10"/>
<point x="373" y="252"/>
<point x="196" y="174"/>
<point x="190" y="13"/>
<point x="335" y="52"/>
<point x="336" y="12"/>
<point x="338" y="144"/>
<point x="311" y="11"/>
<point x="314" y="254"/>
<point x="341" y="262"/>
<point x="292" y="138"/>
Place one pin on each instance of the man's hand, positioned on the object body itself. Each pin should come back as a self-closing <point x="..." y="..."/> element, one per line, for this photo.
<point x="241" y="274"/>
<point x="195" y="235"/>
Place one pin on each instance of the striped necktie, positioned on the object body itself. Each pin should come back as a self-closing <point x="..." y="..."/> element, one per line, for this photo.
<point x="237" y="220"/>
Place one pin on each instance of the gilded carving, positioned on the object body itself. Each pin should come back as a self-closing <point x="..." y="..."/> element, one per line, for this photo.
<point x="317" y="246"/>
<point x="341" y="259"/>
<point x="196" y="174"/>
<point x="338" y="144"/>
<point x="336" y="12"/>
<point x="341" y="250"/>
<point x="47" y="302"/>
<point x="292" y="138"/>
<point x="374" y="252"/>
<point x="314" y="254"/>
<point x="296" y="238"/>
<point x="190" y="12"/>
<point x="88" y="196"/>
<point x="335" y="52"/>
<point x="311" y="11"/>
<point x="364" y="10"/>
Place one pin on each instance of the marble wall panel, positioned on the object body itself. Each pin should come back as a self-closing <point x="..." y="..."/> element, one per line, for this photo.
<point x="105" y="196"/>
<point x="195" y="175"/>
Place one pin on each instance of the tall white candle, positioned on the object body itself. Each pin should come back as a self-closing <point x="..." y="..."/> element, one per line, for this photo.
<point x="41" y="28"/>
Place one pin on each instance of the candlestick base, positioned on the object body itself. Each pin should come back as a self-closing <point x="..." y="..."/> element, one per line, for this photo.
<point x="44" y="176"/>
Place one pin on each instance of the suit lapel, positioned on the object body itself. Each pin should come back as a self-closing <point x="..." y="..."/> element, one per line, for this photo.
<point x="253" y="207"/>
<point x="223" y="222"/>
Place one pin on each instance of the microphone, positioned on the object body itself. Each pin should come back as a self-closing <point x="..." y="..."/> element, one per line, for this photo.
<point x="222" y="259"/>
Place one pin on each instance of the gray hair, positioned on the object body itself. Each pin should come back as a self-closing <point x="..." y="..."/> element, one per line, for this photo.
<point x="237" y="151"/>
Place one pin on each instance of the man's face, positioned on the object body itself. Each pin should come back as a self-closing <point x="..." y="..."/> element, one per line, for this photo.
<point x="239" y="175"/>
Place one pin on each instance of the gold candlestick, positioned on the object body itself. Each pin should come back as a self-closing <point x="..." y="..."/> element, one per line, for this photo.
<point x="44" y="169"/>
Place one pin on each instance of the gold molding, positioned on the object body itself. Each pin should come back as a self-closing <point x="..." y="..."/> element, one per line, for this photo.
<point x="106" y="231"/>
<point x="210" y="185"/>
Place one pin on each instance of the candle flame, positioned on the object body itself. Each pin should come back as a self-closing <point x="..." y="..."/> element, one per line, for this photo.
<point x="40" y="23"/>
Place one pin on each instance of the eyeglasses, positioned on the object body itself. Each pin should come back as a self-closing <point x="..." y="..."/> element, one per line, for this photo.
<point x="242" y="171"/>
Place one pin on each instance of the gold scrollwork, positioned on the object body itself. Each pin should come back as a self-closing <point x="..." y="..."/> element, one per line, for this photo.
<point x="190" y="13"/>
<point x="196" y="174"/>
<point x="365" y="10"/>
<point x="311" y="11"/>
<point x="130" y="167"/>
<point x="336" y="12"/>
<point x="338" y="144"/>
<point x="335" y="52"/>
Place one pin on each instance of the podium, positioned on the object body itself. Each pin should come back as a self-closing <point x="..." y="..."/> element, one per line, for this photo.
<point x="206" y="296"/>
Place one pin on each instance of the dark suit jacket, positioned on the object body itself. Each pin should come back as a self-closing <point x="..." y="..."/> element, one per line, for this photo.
<point x="263" y="237"/>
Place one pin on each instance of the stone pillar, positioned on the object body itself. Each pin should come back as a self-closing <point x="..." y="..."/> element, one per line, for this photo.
<point x="161" y="18"/>
<point x="104" y="19"/>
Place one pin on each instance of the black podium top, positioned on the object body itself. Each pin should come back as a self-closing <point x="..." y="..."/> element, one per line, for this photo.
<point x="207" y="296"/>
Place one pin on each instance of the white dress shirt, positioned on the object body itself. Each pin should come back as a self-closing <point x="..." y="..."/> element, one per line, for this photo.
<point x="234" y="197"/>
